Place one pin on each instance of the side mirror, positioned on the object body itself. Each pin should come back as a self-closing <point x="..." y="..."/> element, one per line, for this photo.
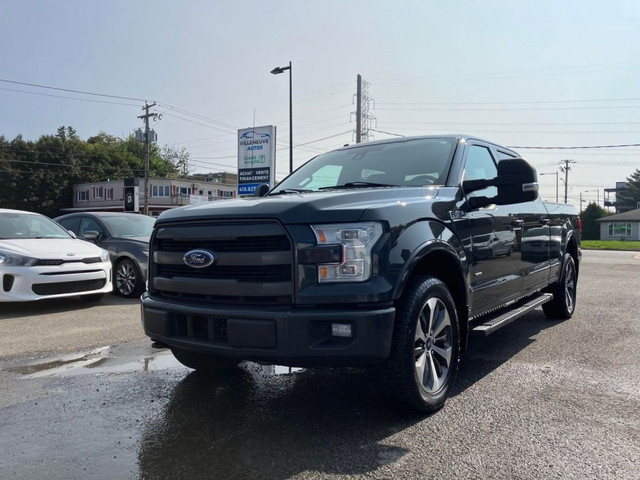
<point x="261" y="190"/>
<point x="91" y="235"/>
<point x="517" y="182"/>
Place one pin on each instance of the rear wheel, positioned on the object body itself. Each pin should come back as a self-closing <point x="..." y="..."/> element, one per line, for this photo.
<point x="564" y="292"/>
<point x="203" y="362"/>
<point x="127" y="279"/>
<point x="424" y="358"/>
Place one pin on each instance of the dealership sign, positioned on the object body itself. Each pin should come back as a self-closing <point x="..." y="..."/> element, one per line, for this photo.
<point x="256" y="158"/>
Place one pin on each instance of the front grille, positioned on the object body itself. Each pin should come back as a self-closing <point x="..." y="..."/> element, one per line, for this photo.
<point x="254" y="263"/>
<point x="67" y="287"/>
<point x="213" y="330"/>
<point x="248" y="244"/>
<point x="58" y="261"/>
<point x="242" y="273"/>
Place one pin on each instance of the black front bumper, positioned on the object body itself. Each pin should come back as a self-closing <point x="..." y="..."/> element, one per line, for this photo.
<point x="287" y="336"/>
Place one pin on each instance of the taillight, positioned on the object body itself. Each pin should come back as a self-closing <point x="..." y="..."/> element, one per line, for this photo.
<point x="579" y="228"/>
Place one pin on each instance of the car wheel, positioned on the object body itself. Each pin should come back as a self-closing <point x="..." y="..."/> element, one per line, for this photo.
<point x="203" y="362"/>
<point x="424" y="355"/>
<point x="127" y="279"/>
<point x="564" y="292"/>
<point x="94" y="297"/>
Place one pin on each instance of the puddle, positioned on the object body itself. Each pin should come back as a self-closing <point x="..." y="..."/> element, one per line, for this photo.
<point x="278" y="369"/>
<point x="100" y="362"/>
<point x="95" y="362"/>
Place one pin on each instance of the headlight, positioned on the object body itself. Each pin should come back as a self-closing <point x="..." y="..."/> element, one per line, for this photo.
<point x="104" y="255"/>
<point x="357" y="241"/>
<point x="15" y="260"/>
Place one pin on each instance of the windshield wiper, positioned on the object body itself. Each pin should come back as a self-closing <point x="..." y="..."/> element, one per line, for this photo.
<point x="291" y="190"/>
<point x="358" y="185"/>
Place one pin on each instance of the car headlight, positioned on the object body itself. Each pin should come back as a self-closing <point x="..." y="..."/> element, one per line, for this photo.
<point x="14" y="260"/>
<point x="104" y="255"/>
<point x="357" y="241"/>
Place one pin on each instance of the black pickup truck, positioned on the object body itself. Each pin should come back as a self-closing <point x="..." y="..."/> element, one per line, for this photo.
<point x="391" y="253"/>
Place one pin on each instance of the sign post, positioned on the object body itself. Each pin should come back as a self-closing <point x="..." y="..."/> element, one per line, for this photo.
<point x="256" y="158"/>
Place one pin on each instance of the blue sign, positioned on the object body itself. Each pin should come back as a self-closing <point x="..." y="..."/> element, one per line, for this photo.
<point x="247" y="188"/>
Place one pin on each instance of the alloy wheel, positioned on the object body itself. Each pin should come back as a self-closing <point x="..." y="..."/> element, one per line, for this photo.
<point x="433" y="345"/>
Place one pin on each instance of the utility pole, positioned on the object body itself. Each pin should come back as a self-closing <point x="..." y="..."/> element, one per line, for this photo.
<point x="147" y="141"/>
<point x="566" y="169"/>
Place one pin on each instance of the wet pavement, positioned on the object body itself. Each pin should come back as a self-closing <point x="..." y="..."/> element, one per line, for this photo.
<point x="537" y="399"/>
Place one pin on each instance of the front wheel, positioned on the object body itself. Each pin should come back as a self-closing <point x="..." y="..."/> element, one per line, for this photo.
<point x="128" y="279"/>
<point x="424" y="354"/>
<point x="564" y="292"/>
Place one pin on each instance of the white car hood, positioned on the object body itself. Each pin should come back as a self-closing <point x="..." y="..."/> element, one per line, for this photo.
<point x="51" y="247"/>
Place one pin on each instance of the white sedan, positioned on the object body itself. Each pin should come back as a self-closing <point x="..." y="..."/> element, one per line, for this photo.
<point x="39" y="259"/>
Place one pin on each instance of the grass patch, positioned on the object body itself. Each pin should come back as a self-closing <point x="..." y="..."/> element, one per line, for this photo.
<point x="610" y="245"/>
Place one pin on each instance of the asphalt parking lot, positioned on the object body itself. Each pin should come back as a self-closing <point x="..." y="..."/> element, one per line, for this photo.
<point x="83" y="395"/>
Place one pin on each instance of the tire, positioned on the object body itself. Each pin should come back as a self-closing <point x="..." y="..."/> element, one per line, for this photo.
<point x="204" y="363"/>
<point x="94" y="297"/>
<point x="564" y="292"/>
<point x="127" y="279"/>
<point x="425" y="350"/>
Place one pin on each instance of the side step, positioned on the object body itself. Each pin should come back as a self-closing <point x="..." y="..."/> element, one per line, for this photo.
<point x="502" y="318"/>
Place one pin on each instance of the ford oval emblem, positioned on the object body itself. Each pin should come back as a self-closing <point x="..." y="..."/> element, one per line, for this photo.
<point x="198" y="258"/>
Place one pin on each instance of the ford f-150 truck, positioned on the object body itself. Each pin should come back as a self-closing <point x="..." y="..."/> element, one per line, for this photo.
<point x="393" y="253"/>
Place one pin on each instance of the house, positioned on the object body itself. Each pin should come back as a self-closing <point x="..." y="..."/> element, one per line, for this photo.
<point x="164" y="193"/>
<point x="621" y="226"/>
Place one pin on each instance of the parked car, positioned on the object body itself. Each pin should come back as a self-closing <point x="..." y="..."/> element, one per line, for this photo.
<point x="39" y="260"/>
<point x="125" y="236"/>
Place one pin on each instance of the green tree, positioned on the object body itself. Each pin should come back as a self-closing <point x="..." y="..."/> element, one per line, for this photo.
<point x="591" y="228"/>
<point x="178" y="158"/>
<point x="628" y="198"/>
<point x="39" y="175"/>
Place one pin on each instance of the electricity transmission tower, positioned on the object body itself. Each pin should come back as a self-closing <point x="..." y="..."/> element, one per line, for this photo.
<point x="364" y="119"/>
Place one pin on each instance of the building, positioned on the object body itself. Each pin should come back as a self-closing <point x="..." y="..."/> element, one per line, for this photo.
<point x="164" y="193"/>
<point x="622" y="226"/>
<point x="612" y="198"/>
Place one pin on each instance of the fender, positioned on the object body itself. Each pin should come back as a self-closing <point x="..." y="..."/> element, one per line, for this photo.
<point x="420" y="239"/>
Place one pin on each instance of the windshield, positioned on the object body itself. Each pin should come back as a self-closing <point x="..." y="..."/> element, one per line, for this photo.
<point x="408" y="163"/>
<point x="130" y="225"/>
<point x="14" y="225"/>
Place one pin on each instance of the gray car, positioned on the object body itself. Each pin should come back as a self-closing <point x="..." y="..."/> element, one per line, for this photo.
<point x="125" y="236"/>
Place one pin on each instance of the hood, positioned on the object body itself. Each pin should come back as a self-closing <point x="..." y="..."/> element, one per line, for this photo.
<point x="344" y="205"/>
<point x="144" y="239"/>
<point x="51" y="247"/>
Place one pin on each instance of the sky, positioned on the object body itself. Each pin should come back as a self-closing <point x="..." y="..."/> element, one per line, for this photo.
<point x="521" y="74"/>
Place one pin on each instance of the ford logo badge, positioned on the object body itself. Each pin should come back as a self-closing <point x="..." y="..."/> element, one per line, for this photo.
<point x="198" y="258"/>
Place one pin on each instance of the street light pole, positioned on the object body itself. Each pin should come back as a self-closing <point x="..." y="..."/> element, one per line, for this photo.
<point x="556" y="174"/>
<point x="276" y="71"/>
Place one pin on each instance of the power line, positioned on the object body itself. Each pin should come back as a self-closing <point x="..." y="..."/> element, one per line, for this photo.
<point x="609" y="107"/>
<point x="579" y="147"/>
<point x="69" y="98"/>
<point x="72" y="91"/>
<point x="632" y="99"/>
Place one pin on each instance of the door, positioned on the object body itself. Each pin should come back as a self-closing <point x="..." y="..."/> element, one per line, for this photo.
<point x="491" y="237"/>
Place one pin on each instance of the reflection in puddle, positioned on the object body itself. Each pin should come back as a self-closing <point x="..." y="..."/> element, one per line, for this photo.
<point x="278" y="369"/>
<point x="99" y="362"/>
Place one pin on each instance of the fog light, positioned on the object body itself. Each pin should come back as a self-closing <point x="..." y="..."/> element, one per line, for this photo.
<point x="341" y="330"/>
